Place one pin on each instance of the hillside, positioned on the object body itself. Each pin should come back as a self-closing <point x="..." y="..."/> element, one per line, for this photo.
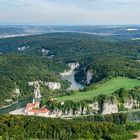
<point x="71" y="46"/>
<point x="16" y="71"/>
<point x="106" y="88"/>
<point x="107" y="66"/>
<point x="43" y="57"/>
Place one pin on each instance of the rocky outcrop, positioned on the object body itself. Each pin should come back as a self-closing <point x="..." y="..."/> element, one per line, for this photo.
<point x="50" y="85"/>
<point x="50" y="56"/>
<point x="110" y="107"/>
<point x="107" y="106"/>
<point x="53" y="85"/>
<point x="45" y="51"/>
<point x="94" y="107"/>
<point x="131" y="103"/>
<point x="72" y="66"/>
<point x="35" y="82"/>
<point x="60" y="113"/>
<point x="17" y="91"/>
<point x="84" y="76"/>
<point x="8" y="100"/>
<point x="15" y="96"/>
<point x="89" y="76"/>
<point x="36" y="85"/>
<point x="23" y="48"/>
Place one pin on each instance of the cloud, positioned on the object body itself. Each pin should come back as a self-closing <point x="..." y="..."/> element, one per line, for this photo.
<point x="70" y="11"/>
<point x="15" y="3"/>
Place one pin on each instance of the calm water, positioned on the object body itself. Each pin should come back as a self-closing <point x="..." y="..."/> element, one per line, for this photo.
<point x="74" y="85"/>
<point x="20" y="104"/>
<point x="15" y="106"/>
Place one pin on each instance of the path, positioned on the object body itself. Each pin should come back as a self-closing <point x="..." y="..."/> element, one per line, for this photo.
<point x="138" y="136"/>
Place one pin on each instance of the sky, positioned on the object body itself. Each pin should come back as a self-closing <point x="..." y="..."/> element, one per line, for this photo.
<point x="70" y="12"/>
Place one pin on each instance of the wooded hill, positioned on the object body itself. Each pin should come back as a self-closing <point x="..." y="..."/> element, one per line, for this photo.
<point x="16" y="71"/>
<point x="72" y="46"/>
<point x="109" y="66"/>
<point x="42" y="57"/>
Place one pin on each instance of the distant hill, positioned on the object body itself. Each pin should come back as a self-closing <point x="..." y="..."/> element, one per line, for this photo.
<point x="71" y="46"/>
<point x="44" y="56"/>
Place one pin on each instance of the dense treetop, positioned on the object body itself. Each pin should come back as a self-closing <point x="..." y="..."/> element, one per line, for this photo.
<point x="71" y="46"/>
<point x="42" y="57"/>
<point x="16" y="71"/>
<point x="23" y="127"/>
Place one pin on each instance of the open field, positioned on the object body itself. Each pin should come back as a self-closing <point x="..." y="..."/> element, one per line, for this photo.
<point x="106" y="88"/>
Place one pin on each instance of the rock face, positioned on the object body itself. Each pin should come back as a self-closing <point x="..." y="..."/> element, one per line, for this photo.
<point x="110" y="107"/>
<point x="8" y="100"/>
<point x="53" y="85"/>
<point x="37" y="90"/>
<point x="50" y="56"/>
<point x="23" y="48"/>
<point x="17" y="91"/>
<point x="45" y="51"/>
<point x="50" y="85"/>
<point x="89" y="76"/>
<point x="72" y="66"/>
<point x="94" y="107"/>
<point x="36" y="86"/>
<point x="131" y="103"/>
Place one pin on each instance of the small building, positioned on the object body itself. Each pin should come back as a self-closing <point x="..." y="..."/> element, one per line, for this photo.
<point x="35" y="110"/>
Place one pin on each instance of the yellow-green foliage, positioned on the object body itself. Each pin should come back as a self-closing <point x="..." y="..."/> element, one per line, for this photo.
<point x="106" y="88"/>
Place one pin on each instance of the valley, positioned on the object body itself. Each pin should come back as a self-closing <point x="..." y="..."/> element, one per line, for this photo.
<point x="106" y="88"/>
<point x="65" y="79"/>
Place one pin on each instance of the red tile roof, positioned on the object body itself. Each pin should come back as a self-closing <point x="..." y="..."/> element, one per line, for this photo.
<point x="45" y="110"/>
<point x="30" y="108"/>
<point x="29" y="105"/>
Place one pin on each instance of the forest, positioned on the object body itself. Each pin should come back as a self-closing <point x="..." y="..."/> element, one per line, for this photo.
<point x="110" y="127"/>
<point x="109" y="67"/>
<point x="43" y="57"/>
<point x="16" y="71"/>
<point x="71" y="46"/>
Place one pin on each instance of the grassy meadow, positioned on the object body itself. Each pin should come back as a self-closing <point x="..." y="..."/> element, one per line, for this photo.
<point x="106" y="88"/>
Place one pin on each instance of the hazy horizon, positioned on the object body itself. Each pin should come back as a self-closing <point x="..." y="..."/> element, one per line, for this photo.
<point x="64" y="12"/>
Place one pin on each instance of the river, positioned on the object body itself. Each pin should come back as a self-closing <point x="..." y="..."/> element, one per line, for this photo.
<point x="74" y="84"/>
<point x="67" y="75"/>
<point x="15" y="106"/>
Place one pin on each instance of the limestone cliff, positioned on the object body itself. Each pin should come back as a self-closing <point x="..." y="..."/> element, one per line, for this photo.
<point x="131" y="103"/>
<point x="53" y="85"/>
<point x="89" y="76"/>
<point x="108" y="107"/>
<point x="72" y="67"/>
<point x="36" y="86"/>
<point x="45" y="51"/>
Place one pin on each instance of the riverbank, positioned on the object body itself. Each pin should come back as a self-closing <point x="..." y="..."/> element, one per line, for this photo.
<point x="18" y="112"/>
<point x="8" y="105"/>
<point x="74" y="84"/>
<point x="15" y="106"/>
<point x="69" y="75"/>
